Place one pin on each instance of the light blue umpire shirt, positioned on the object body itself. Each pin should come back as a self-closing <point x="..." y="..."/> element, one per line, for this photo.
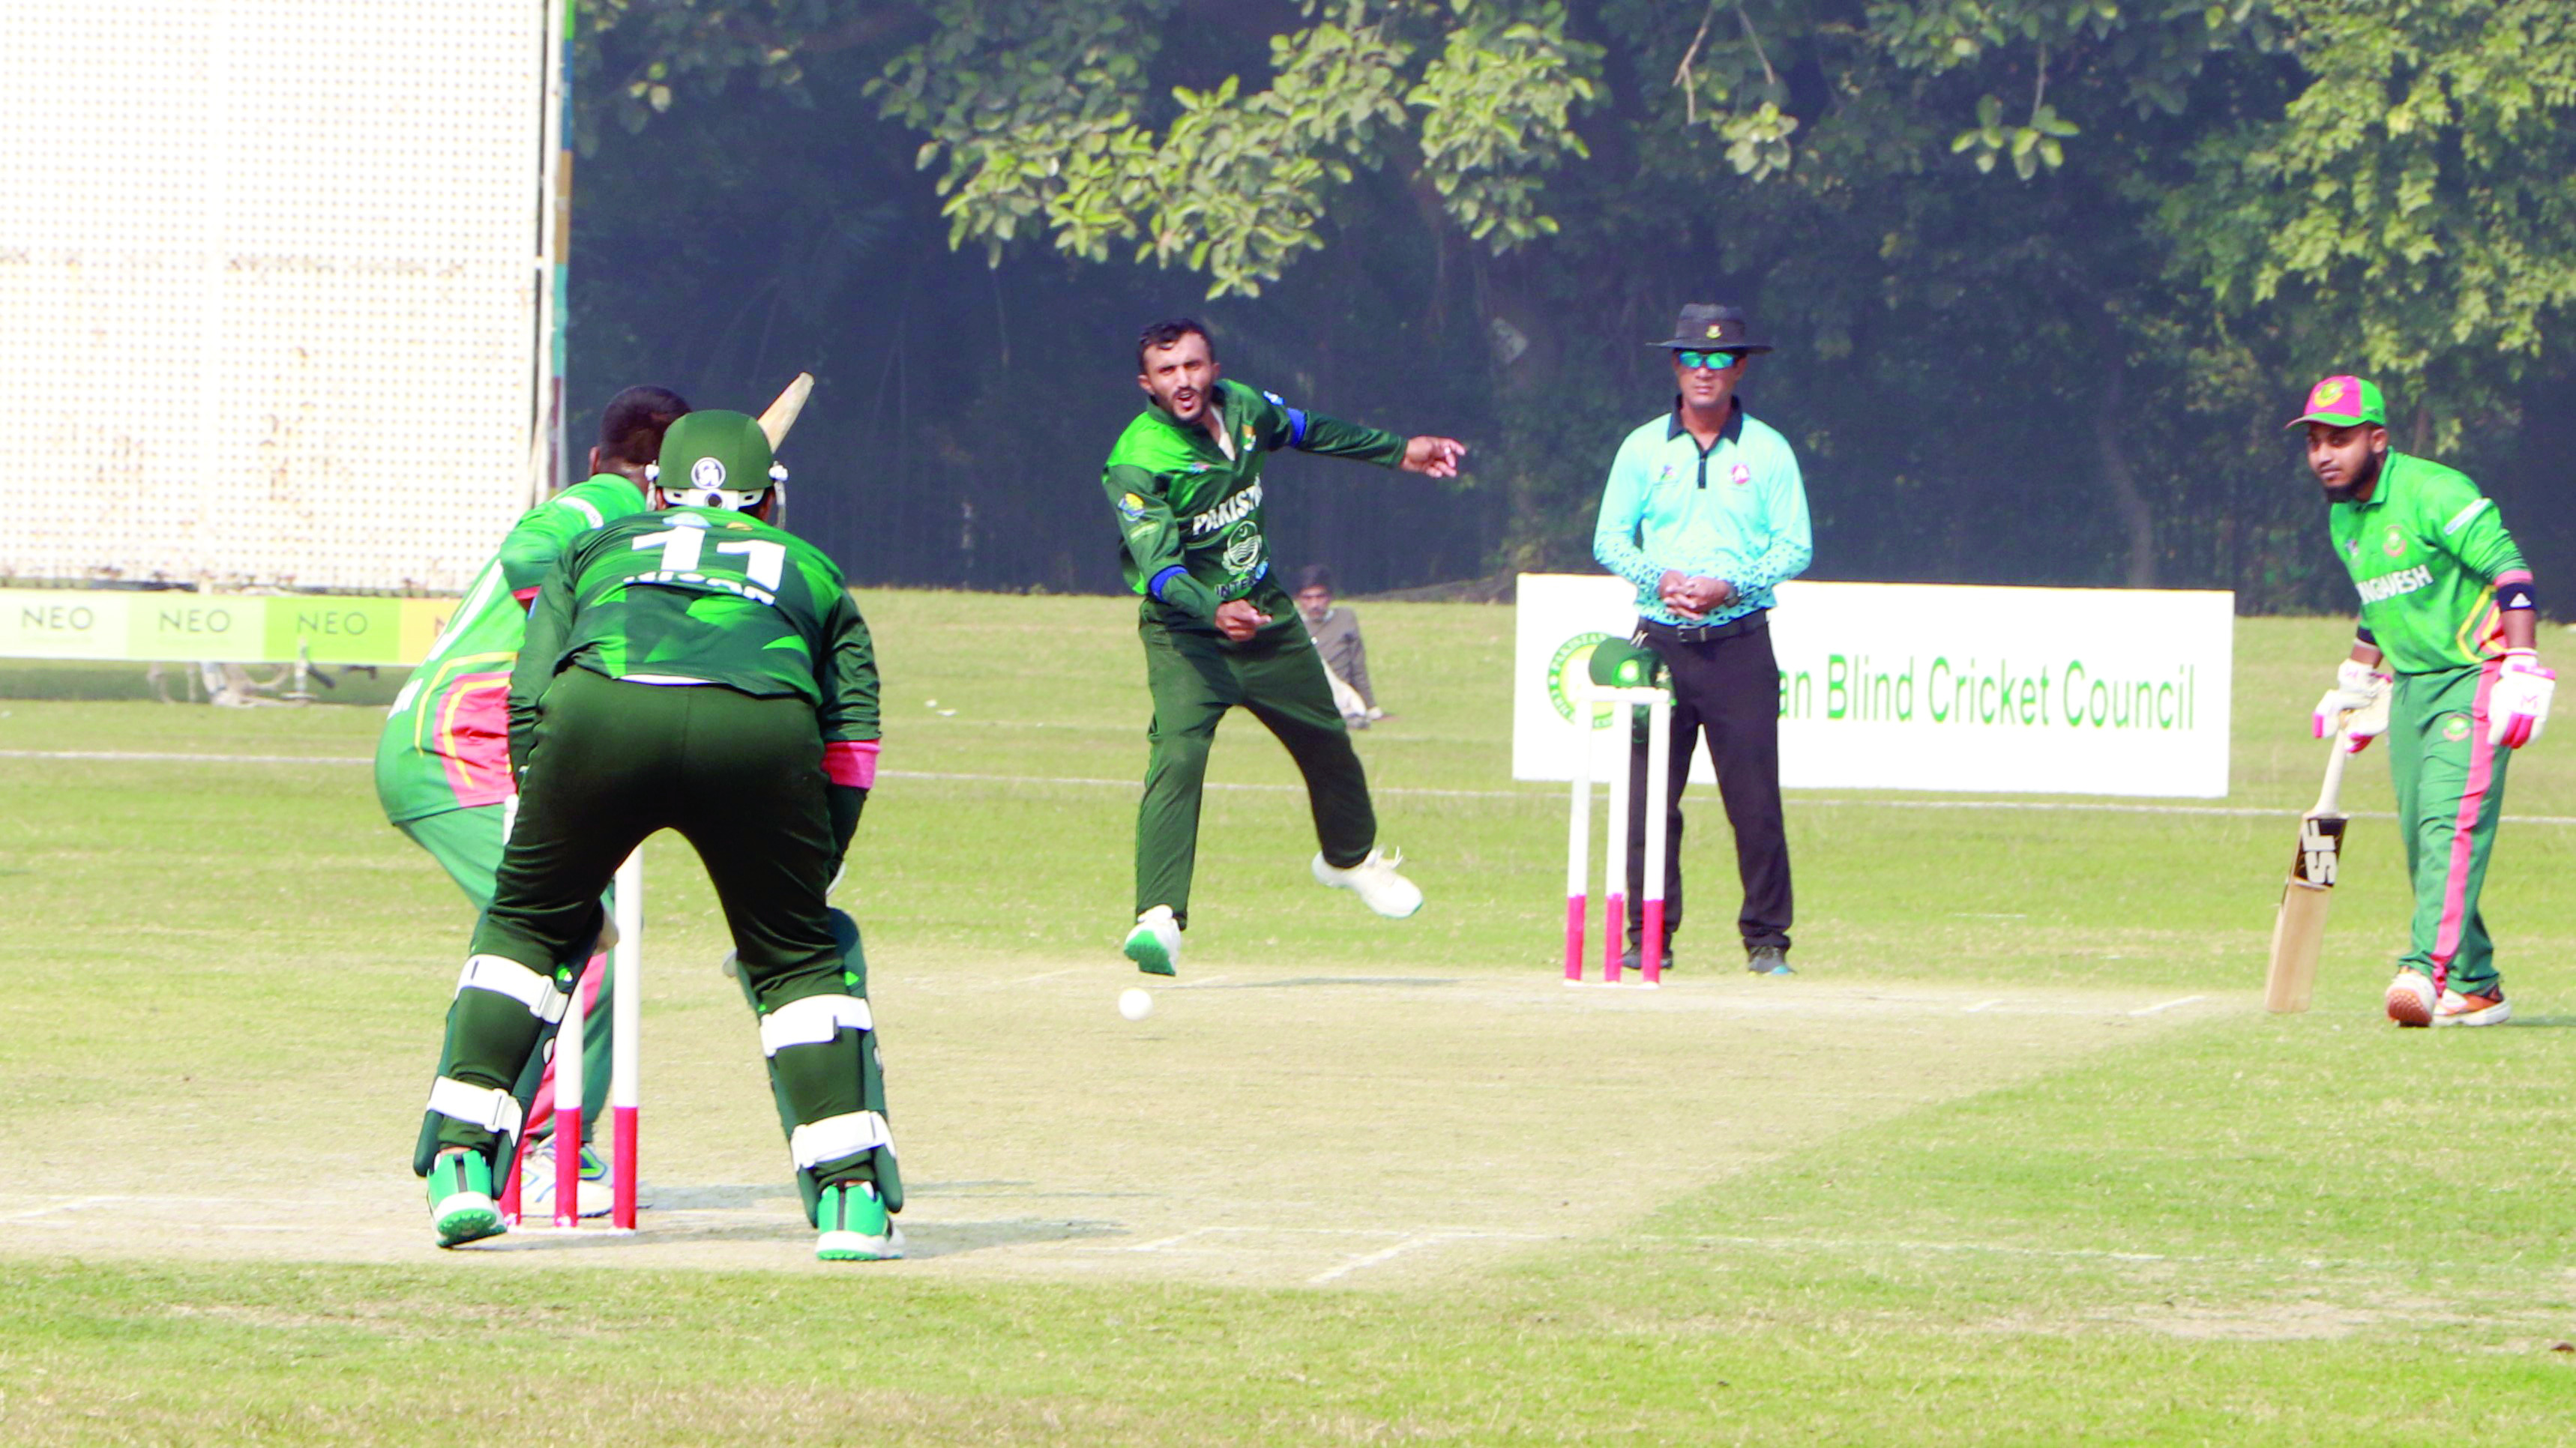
<point x="1737" y="511"/>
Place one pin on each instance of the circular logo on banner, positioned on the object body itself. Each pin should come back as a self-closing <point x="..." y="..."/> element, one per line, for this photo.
<point x="1572" y="661"/>
<point x="2455" y="727"/>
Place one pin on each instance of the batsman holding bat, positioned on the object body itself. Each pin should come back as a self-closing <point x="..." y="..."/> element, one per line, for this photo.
<point x="2445" y="666"/>
<point x="696" y="669"/>
<point x="443" y="758"/>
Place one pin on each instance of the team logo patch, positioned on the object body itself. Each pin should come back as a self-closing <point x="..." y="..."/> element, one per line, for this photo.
<point x="1740" y="475"/>
<point x="707" y="473"/>
<point x="1243" y="548"/>
<point x="1131" y="506"/>
<point x="1276" y="399"/>
<point x="2352" y="549"/>
<point x="2393" y="543"/>
<point x="1716" y="330"/>
<point x="2326" y="394"/>
<point x="2455" y="727"/>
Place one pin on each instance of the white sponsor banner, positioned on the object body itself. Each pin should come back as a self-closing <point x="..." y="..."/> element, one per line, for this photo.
<point x="1923" y="686"/>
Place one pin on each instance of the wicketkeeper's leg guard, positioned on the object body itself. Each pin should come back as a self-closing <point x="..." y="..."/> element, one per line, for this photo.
<point x="825" y="1080"/>
<point x="503" y="1015"/>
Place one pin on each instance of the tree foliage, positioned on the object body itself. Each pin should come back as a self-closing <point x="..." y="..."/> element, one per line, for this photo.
<point x="2127" y="229"/>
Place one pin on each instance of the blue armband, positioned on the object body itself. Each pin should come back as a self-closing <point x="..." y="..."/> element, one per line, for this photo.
<point x="2518" y="594"/>
<point x="1296" y="427"/>
<point x="1155" y="586"/>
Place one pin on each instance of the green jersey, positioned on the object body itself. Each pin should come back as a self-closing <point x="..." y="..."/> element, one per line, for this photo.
<point x="702" y="596"/>
<point x="446" y="745"/>
<point x="2426" y="552"/>
<point x="1189" y="509"/>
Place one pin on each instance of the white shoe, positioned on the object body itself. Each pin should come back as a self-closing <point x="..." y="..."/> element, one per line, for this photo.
<point x="1155" y="943"/>
<point x="2459" y="1010"/>
<point x="1380" y="887"/>
<point x="537" y="1186"/>
<point x="2410" y="999"/>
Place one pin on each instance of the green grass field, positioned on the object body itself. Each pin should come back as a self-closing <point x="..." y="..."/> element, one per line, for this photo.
<point x="2016" y="1158"/>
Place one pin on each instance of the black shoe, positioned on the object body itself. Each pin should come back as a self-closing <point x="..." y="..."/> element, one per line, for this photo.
<point x="1767" y="960"/>
<point x="1634" y="957"/>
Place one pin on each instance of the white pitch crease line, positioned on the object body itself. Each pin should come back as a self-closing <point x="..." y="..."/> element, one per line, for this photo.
<point x="1372" y="1259"/>
<point x="148" y="757"/>
<point x="1052" y="974"/>
<point x="1161" y="1244"/>
<point x="2167" y="1005"/>
<point x="73" y="1205"/>
<point x="1984" y="1006"/>
<point x="2035" y="806"/>
<point x="1862" y="1244"/>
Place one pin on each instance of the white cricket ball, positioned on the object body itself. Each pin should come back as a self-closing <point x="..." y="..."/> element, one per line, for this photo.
<point x="1135" y="1003"/>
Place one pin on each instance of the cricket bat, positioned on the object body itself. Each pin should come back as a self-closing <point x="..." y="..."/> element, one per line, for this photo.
<point x="782" y="414"/>
<point x="2299" y="932"/>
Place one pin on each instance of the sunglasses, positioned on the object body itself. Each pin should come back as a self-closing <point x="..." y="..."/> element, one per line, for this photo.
<point x="1715" y="361"/>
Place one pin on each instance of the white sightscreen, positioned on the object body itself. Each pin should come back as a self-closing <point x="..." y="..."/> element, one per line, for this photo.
<point x="267" y="287"/>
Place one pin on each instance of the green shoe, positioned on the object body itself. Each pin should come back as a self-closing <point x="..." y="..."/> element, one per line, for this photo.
<point x="461" y="1208"/>
<point x="855" y="1226"/>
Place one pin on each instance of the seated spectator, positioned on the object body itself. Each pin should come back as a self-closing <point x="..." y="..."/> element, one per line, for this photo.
<point x="1336" y="632"/>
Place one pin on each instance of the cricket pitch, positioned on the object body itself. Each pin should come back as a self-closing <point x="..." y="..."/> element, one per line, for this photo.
<point x="1268" y="1126"/>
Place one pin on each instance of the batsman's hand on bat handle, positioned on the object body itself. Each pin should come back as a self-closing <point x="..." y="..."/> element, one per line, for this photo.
<point x="2357" y="705"/>
<point x="1435" y="457"/>
<point x="2518" y="706"/>
<point x="1238" y="620"/>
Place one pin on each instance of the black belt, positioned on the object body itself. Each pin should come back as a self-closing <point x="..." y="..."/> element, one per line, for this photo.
<point x="1705" y="633"/>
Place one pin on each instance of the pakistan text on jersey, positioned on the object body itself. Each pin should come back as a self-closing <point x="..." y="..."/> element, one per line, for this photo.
<point x="752" y="591"/>
<point x="1226" y="514"/>
<point x="2390" y="585"/>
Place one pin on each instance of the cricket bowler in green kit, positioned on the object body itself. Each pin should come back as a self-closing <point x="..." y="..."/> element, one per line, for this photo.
<point x="443" y="758"/>
<point x="2445" y="665"/>
<point x="1219" y="631"/>
<point x="696" y="669"/>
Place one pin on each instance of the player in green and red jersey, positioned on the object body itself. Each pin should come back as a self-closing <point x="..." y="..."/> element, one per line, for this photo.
<point x="443" y="758"/>
<point x="2446" y="665"/>
<point x="1185" y="480"/>
<point x="695" y="669"/>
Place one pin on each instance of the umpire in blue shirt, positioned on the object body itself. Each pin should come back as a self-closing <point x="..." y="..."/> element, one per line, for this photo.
<point x="1704" y="513"/>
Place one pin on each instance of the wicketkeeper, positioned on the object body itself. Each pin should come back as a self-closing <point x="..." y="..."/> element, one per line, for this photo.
<point x="695" y="669"/>
<point x="2445" y="666"/>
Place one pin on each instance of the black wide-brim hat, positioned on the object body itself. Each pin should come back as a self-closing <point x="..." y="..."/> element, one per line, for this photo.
<point x="1713" y="327"/>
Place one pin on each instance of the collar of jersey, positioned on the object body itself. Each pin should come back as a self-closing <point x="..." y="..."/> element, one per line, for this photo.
<point x="1732" y="432"/>
<point x="2387" y="473"/>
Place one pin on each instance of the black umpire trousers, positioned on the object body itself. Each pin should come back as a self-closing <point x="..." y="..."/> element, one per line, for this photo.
<point x="1726" y="687"/>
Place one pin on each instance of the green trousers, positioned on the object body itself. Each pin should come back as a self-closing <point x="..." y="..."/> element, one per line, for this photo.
<point x="2450" y="794"/>
<point x="742" y="780"/>
<point x="1195" y="674"/>
<point x="467" y="844"/>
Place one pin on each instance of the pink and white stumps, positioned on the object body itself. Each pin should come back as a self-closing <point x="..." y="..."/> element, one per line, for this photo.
<point x="1623" y="703"/>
